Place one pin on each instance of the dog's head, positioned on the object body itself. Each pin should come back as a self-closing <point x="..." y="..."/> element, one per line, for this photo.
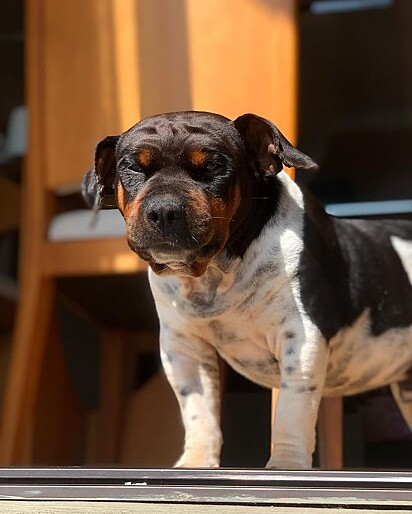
<point x="179" y="179"/>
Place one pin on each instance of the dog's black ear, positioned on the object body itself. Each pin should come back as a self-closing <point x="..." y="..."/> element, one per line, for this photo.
<point x="98" y="183"/>
<point x="268" y="147"/>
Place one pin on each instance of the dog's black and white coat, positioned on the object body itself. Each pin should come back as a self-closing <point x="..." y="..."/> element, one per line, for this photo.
<point x="244" y="265"/>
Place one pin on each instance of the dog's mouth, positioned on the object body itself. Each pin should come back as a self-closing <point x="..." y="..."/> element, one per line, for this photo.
<point x="192" y="264"/>
<point x="169" y="259"/>
<point x="194" y="269"/>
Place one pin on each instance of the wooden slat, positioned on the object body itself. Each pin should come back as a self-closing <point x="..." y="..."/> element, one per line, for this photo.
<point x="220" y="58"/>
<point x="330" y="431"/>
<point x="36" y="293"/>
<point x="243" y="59"/>
<point x="129" y="60"/>
<point x="22" y="385"/>
<point x="166" y="87"/>
<point x="275" y="396"/>
<point x="90" y="80"/>
<point x="98" y="257"/>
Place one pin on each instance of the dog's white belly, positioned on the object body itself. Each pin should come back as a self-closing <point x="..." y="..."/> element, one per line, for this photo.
<point x="359" y="361"/>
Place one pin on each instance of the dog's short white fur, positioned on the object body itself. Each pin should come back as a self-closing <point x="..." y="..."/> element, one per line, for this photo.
<point x="257" y="323"/>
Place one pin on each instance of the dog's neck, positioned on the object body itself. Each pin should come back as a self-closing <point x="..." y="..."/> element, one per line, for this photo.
<point x="260" y="201"/>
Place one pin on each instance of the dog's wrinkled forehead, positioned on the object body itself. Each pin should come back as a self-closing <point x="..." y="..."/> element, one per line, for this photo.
<point x="175" y="131"/>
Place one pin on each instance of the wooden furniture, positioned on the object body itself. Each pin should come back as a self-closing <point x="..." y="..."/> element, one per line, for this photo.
<point x="95" y="68"/>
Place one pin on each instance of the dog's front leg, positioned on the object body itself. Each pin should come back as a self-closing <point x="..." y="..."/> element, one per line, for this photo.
<point x="303" y="369"/>
<point x="193" y="372"/>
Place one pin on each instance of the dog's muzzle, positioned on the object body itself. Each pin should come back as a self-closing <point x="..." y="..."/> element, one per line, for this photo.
<point x="171" y="232"/>
<point x="166" y="217"/>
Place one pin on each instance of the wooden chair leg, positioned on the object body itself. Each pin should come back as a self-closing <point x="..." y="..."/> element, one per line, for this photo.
<point x="330" y="433"/>
<point x="275" y="395"/>
<point x="109" y="420"/>
<point x="29" y="341"/>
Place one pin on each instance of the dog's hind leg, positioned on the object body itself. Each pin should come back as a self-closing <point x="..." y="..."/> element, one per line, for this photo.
<point x="402" y="393"/>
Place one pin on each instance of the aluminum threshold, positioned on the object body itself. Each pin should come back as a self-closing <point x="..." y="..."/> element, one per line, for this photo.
<point x="221" y="486"/>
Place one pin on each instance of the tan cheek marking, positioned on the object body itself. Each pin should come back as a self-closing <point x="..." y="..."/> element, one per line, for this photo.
<point x="144" y="157"/>
<point x="120" y="197"/>
<point x="199" y="202"/>
<point x="126" y="208"/>
<point x="220" y="212"/>
<point x="198" y="158"/>
<point x="223" y="213"/>
<point x="133" y="207"/>
<point x="221" y="220"/>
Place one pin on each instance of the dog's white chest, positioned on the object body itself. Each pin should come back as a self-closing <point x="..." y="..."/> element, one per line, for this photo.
<point x="245" y="345"/>
<point x="242" y="323"/>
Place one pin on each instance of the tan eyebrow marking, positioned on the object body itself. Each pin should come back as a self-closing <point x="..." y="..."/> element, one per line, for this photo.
<point x="145" y="157"/>
<point x="198" y="157"/>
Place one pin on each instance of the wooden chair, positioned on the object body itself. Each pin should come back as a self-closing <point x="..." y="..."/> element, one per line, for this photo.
<point x="95" y="68"/>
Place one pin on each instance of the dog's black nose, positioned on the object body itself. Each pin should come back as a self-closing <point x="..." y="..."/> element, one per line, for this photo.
<point x="166" y="215"/>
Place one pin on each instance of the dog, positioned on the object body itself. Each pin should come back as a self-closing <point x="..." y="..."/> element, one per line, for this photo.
<point x="245" y="265"/>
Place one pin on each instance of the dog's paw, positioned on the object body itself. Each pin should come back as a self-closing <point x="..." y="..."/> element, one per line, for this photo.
<point x="289" y="460"/>
<point x="197" y="459"/>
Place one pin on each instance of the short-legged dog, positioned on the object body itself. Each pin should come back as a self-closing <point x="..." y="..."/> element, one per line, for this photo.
<point x="246" y="266"/>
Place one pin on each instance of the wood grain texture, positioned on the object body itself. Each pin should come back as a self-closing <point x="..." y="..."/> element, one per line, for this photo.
<point x="36" y="292"/>
<point x="243" y="58"/>
<point x="137" y="58"/>
<point x="98" y="257"/>
<point x="330" y="431"/>
<point x="90" y="81"/>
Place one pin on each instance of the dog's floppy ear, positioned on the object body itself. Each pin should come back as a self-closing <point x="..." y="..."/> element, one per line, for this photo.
<point x="98" y="183"/>
<point x="268" y="147"/>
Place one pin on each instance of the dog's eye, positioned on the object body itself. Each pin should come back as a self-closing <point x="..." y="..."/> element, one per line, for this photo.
<point x="138" y="170"/>
<point x="135" y="168"/>
<point x="147" y="171"/>
<point x="214" y="166"/>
